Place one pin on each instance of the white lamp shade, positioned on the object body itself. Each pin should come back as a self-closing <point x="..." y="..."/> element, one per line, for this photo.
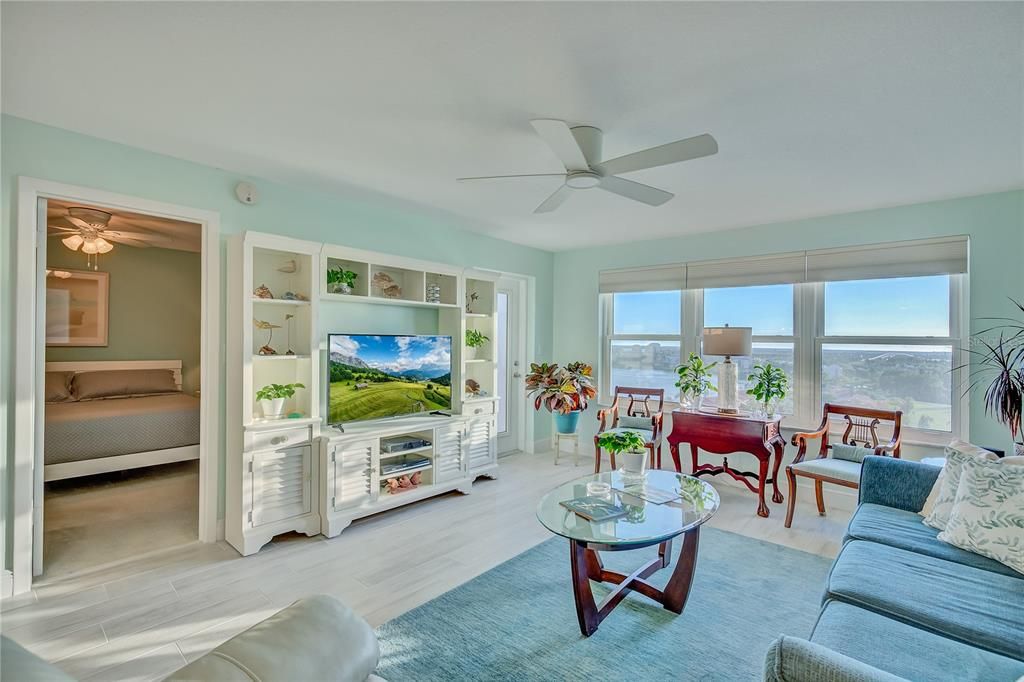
<point x="103" y="246"/>
<point x="73" y="242"/>
<point x="727" y="340"/>
<point x="90" y="246"/>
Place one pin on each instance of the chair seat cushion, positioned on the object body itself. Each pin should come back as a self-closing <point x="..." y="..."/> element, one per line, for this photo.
<point x="905" y="530"/>
<point x="850" y="453"/>
<point x="644" y="433"/>
<point x="923" y="655"/>
<point x="967" y="604"/>
<point x="831" y="468"/>
<point x="636" y="423"/>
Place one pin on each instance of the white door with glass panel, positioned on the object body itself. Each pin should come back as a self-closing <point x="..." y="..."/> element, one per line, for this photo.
<point x="510" y="356"/>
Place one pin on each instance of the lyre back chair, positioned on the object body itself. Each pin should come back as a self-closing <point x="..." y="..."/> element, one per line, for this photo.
<point x="860" y="439"/>
<point x="637" y="415"/>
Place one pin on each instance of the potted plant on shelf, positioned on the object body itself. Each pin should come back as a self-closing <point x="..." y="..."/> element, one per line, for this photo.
<point x="694" y="381"/>
<point x="272" y="398"/>
<point x="340" y="280"/>
<point x="1003" y="357"/>
<point x="770" y="386"/>
<point x="564" y="391"/>
<point x="628" y="446"/>
<point x="474" y="341"/>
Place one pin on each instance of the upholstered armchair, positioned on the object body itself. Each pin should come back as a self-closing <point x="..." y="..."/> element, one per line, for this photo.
<point x="840" y="463"/>
<point x="637" y="415"/>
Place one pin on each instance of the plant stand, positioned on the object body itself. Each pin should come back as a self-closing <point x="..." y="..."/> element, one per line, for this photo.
<point x="573" y="438"/>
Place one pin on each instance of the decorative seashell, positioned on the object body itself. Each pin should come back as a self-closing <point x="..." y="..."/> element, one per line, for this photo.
<point x="263" y="324"/>
<point x="393" y="291"/>
<point x="267" y="350"/>
<point x="472" y="387"/>
<point x="262" y="292"/>
<point x="382" y="280"/>
<point x="288" y="267"/>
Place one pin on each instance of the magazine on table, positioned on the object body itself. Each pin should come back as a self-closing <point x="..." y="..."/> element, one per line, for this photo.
<point x="646" y="492"/>
<point x="596" y="509"/>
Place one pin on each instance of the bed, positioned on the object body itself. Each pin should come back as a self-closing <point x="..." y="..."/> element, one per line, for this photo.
<point x="107" y="420"/>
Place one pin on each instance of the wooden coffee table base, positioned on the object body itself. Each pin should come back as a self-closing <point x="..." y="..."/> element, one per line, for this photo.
<point x="587" y="566"/>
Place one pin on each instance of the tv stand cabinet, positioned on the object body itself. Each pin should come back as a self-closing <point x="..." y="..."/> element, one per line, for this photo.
<point x="462" y="448"/>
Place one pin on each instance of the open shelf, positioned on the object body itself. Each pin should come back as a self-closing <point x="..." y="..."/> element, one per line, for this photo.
<point x="478" y="315"/>
<point x="412" y="451"/>
<point x="478" y="360"/>
<point x="406" y="472"/>
<point x="277" y="301"/>
<point x="280" y="357"/>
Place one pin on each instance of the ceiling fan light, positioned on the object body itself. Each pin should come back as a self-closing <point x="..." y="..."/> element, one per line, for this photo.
<point x="103" y="246"/>
<point x="90" y="246"/>
<point x="73" y="242"/>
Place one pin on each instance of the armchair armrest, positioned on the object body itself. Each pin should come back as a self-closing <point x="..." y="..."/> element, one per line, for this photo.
<point x="896" y="483"/>
<point x="607" y="416"/>
<point x="801" y="437"/>
<point x="657" y="421"/>
<point x="791" y="659"/>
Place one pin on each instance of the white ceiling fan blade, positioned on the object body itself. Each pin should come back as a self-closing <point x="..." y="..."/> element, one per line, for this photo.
<point x="59" y="228"/>
<point x="634" y="190"/>
<point x="505" y="177"/>
<point x="127" y="242"/>
<point x="561" y="140"/>
<point x="673" y="152"/>
<point x="555" y="200"/>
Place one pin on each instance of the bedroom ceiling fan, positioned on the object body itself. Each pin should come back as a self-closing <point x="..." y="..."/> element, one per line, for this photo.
<point x="89" y="229"/>
<point x="579" y="150"/>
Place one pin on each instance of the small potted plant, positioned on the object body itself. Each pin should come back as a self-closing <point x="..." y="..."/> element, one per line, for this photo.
<point x="474" y="342"/>
<point x="770" y="385"/>
<point x="340" y="280"/>
<point x="694" y="381"/>
<point x="564" y="391"/>
<point x="628" y="446"/>
<point x="272" y="398"/>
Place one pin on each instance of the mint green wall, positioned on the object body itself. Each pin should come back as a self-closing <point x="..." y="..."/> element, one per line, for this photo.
<point x="154" y="307"/>
<point x="380" y="224"/>
<point x="995" y="223"/>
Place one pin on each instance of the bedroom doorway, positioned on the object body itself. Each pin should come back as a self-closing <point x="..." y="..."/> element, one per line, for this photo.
<point x="121" y="345"/>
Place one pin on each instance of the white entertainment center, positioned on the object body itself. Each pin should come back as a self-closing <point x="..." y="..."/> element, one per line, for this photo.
<point x="299" y="473"/>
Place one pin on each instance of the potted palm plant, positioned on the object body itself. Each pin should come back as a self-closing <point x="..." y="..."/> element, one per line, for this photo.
<point x="770" y="386"/>
<point x="628" y="446"/>
<point x="564" y="391"/>
<point x="272" y="398"/>
<point x="694" y="381"/>
<point x="474" y="342"/>
<point x="1003" y="361"/>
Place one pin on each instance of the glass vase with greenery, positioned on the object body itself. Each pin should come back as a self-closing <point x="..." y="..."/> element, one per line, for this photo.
<point x="694" y="381"/>
<point x="341" y="281"/>
<point x="770" y="387"/>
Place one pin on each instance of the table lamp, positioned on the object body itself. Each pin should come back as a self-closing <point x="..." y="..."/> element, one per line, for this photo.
<point x="727" y="341"/>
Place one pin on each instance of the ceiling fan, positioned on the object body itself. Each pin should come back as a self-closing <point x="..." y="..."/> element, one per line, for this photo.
<point x="579" y="150"/>
<point x="89" y="229"/>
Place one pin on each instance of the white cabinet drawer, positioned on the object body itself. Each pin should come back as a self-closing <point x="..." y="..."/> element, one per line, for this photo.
<point x="278" y="438"/>
<point x="483" y="408"/>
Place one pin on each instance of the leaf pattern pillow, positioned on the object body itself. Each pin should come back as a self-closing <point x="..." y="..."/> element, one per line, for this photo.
<point x="947" y="484"/>
<point x="988" y="515"/>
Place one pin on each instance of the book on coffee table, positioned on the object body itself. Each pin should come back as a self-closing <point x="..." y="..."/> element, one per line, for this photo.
<point x="596" y="509"/>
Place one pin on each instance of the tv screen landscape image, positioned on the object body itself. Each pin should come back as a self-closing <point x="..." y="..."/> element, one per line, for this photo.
<point x="377" y="376"/>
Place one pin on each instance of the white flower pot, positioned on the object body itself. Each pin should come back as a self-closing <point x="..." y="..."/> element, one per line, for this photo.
<point x="471" y="352"/>
<point x="633" y="463"/>
<point x="272" y="409"/>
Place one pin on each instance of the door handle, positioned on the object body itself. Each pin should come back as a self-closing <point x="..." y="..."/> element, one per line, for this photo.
<point x="516" y="375"/>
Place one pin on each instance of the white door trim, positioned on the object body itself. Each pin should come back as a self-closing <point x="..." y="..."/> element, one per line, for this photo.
<point x="517" y="286"/>
<point x="28" y="356"/>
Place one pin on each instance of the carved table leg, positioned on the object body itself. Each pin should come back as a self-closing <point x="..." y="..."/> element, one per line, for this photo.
<point x="762" y="508"/>
<point x="693" y="456"/>
<point x="582" y="561"/>
<point x="776" y="495"/>
<point x="673" y="449"/>
<point x="678" y="588"/>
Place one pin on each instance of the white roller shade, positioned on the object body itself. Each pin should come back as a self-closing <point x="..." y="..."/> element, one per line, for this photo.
<point x="946" y="256"/>
<point x="782" y="268"/>
<point x="657" y="278"/>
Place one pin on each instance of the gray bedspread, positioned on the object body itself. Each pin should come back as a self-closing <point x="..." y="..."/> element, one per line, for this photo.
<point x="93" y="429"/>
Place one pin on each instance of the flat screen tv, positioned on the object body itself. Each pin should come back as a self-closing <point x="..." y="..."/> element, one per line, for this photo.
<point x="379" y="376"/>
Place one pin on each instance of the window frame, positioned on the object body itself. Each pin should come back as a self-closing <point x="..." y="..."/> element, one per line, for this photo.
<point x="808" y="340"/>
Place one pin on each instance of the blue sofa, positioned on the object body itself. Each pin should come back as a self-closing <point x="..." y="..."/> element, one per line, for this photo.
<point x="899" y="604"/>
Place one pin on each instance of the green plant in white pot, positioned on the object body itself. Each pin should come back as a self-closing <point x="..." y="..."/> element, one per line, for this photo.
<point x="272" y="398"/>
<point x="475" y="340"/>
<point x="628" y="447"/>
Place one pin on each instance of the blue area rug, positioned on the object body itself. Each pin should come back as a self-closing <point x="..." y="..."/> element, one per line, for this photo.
<point x="518" y="620"/>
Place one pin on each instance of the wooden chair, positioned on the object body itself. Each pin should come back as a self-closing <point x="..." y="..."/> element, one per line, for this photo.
<point x="638" y="416"/>
<point x="860" y="435"/>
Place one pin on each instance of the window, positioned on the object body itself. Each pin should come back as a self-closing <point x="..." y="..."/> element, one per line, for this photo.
<point x="891" y="343"/>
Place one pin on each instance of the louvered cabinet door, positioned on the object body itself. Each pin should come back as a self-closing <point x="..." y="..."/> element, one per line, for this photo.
<point x="352" y="468"/>
<point x="449" y="454"/>
<point x="481" y="446"/>
<point x="281" y="486"/>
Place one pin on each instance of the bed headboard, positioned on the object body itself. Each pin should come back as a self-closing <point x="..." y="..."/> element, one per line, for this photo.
<point x="100" y="365"/>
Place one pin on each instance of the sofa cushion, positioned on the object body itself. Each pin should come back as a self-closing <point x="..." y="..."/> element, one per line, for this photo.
<point x="18" y="663"/>
<point x="791" y="659"/>
<point x="948" y="482"/>
<point x="904" y="529"/>
<point x="841" y="469"/>
<point x="923" y="655"/>
<point x="961" y="602"/>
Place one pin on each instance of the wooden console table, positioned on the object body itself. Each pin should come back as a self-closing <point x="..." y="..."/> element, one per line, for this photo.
<point x="725" y="434"/>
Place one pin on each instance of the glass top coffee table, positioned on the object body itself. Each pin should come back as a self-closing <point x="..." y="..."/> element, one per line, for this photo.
<point x="644" y="524"/>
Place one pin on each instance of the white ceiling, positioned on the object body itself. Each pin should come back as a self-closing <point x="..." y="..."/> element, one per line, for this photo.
<point x="818" y="108"/>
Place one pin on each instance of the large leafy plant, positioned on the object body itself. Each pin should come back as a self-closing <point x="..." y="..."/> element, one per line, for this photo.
<point x="695" y="377"/>
<point x="621" y="441"/>
<point x="274" y="391"/>
<point x="770" y="383"/>
<point x="1001" y="361"/>
<point x="561" y="389"/>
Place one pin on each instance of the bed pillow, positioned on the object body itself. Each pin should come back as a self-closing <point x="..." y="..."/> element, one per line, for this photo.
<point x="940" y="501"/>
<point x="119" y="383"/>
<point x="58" y="387"/>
